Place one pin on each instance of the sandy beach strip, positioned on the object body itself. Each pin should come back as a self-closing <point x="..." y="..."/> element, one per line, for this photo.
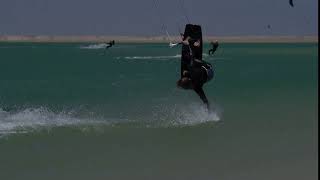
<point x="158" y="39"/>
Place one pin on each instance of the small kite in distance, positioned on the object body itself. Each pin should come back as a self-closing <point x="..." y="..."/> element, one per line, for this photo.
<point x="291" y="3"/>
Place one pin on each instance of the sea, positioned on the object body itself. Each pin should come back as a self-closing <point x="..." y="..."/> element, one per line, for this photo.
<point x="79" y="111"/>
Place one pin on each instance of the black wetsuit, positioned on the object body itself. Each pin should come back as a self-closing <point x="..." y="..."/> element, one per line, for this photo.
<point x="198" y="77"/>
<point x="214" y="47"/>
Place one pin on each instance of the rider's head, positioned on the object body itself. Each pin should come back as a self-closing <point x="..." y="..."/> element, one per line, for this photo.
<point x="184" y="83"/>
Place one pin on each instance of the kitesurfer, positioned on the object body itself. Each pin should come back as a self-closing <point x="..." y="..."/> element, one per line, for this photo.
<point x="171" y="45"/>
<point x="110" y="44"/>
<point x="194" y="71"/>
<point x="199" y="74"/>
<point x="214" y="47"/>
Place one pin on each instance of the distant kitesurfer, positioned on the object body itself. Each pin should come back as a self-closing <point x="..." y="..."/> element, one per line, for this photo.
<point x="171" y="45"/>
<point x="110" y="44"/>
<point x="214" y="47"/>
<point x="200" y="73"/>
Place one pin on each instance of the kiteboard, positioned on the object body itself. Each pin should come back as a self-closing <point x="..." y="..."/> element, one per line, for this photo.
<point x="190" y="51"/>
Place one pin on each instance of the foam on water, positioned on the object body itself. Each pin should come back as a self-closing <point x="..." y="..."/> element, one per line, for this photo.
<point x="31" y="119"/>
<point x="178" y="56"/>
<point x="95" y="46"/>
<point x="185" y="115"/>
<point x="150" y="57"/>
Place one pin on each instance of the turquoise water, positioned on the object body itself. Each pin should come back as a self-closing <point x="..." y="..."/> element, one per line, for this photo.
<point x="75" y="111"/>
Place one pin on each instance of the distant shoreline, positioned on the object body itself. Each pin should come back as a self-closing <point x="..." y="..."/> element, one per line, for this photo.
<point x="158" y="39"/>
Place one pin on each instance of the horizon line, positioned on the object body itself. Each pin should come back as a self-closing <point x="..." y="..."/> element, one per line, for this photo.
<point x="155" y="39"/>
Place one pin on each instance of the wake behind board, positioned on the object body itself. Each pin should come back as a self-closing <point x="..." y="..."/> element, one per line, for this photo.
<point x="190" y="51"/>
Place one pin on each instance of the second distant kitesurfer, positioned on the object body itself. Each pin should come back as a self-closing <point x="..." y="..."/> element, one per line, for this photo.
<point x="110" y="44"/>
<point x="214" y="47"/>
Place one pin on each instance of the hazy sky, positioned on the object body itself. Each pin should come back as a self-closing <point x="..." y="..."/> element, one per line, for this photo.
<point x="142" y="17"/>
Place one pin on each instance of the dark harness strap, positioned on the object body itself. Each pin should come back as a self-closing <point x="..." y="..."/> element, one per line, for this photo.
<point x="208" y="68"/>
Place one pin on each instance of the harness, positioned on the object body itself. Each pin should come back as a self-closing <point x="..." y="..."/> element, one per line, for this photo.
<point x="209" y="71"/>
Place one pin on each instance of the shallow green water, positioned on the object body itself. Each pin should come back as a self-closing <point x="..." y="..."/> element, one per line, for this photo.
<point x="69" y="111"/>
